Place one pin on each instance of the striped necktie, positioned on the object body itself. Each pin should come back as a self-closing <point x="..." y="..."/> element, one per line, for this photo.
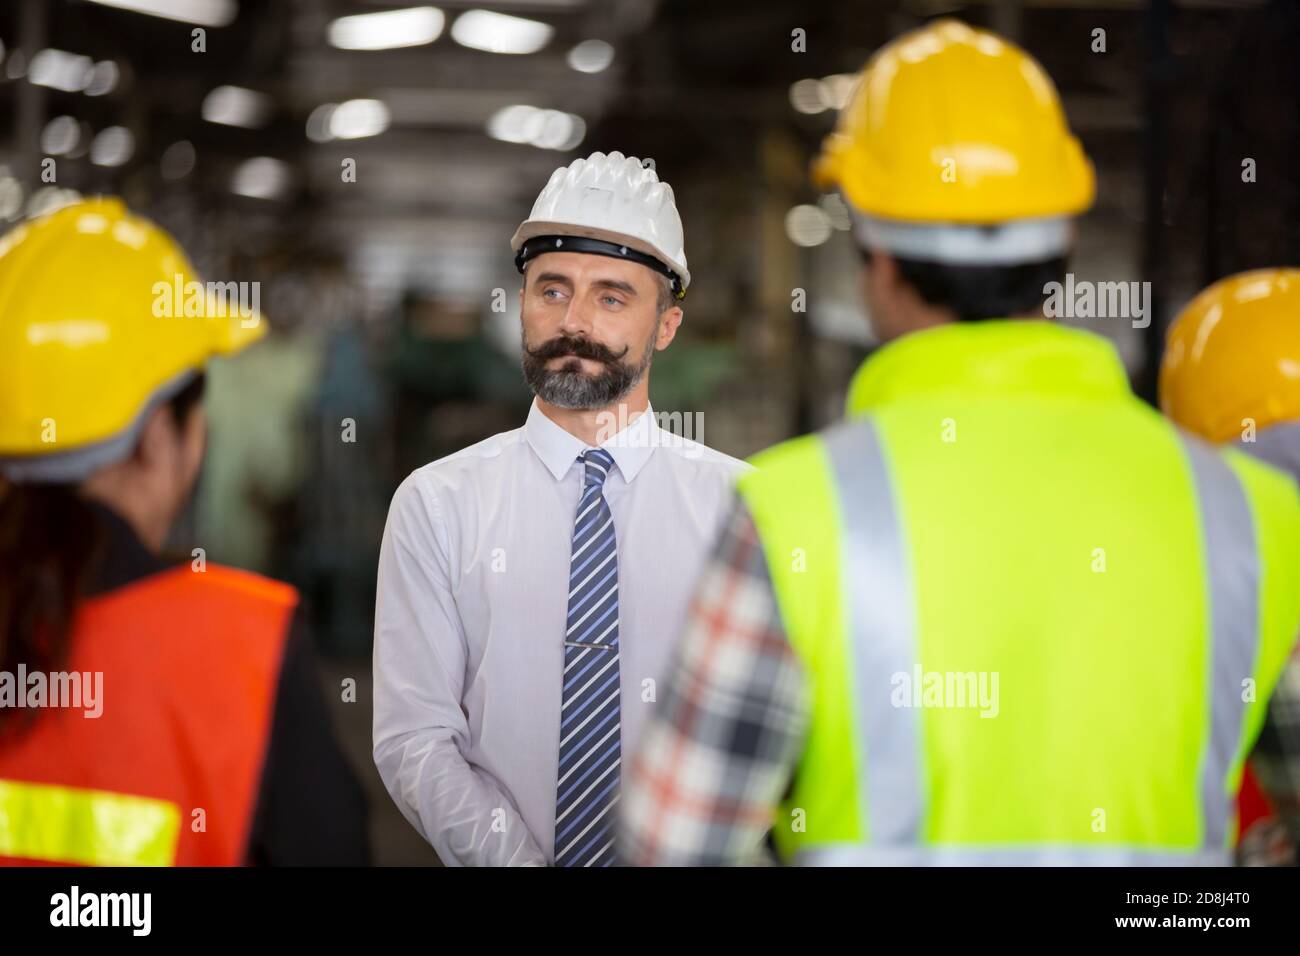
<point x="587" y="790"/>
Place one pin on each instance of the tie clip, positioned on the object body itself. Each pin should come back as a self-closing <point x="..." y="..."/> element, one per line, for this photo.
<point x="599" y="647"/>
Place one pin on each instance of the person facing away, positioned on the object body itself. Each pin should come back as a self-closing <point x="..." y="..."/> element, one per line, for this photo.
<point x="1005" y="613"/>
<point x="1228" y="375"/>
<point x="151" y="712"/>
<point x="530" y="585"/>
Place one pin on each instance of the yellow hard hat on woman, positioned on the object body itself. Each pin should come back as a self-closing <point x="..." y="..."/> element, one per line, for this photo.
<point x="102" y="318"/>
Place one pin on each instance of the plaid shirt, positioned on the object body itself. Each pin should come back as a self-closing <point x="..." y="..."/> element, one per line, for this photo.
<point x="721" y="748"/>
<point x="719" y="753"/>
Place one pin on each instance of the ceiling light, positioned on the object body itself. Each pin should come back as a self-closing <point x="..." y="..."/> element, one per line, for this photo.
<point x="261" y="178"/>
<point x="59" y="70"/>
<point x="591" y="56"/>
<point x="112" y="147"/>
<point x="357" y="118"/>
<point x="237" y="106"/>
<point x="352" y="119"/>
<point x="807" y="226"/>
<point x="318" y="123"/>
<point x="206" y="13"/>
<point x="806" y="96"/>
<point x="545" y="129"/>
<point x="103" y="78"/>
<point x="515" y="124"/>
<point x="500" y="32"/>
<point x="60" y="136"/>
<point x="837" y="88"/>
<point x="388" y="29"/>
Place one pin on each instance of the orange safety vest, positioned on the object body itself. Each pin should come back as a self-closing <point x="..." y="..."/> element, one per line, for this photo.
<point x="169" y="773"/>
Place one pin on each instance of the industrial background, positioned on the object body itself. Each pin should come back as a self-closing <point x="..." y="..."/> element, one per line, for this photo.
<point x="369" y="174"/>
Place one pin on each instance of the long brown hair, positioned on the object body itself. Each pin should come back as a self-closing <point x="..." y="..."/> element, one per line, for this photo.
<point x="51" y="545"/>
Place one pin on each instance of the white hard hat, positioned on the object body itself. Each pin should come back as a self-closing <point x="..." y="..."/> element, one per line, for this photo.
<point x="609" y="205"/>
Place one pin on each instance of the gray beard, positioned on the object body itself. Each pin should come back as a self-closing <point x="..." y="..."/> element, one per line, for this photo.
<point x="575" y="389"/>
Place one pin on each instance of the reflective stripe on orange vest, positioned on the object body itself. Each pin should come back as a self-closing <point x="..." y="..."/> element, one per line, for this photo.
<point x="86" y="827"/>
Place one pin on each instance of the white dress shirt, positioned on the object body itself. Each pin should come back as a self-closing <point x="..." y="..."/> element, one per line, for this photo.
<point x="471" y="611"/>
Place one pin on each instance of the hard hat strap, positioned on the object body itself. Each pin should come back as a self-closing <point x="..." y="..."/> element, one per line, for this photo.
<point x="537" y="245"/>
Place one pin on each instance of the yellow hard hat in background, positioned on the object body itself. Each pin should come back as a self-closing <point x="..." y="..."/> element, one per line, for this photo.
<point x="1234" y="354"/>
<point x="101" y="314"/>
<point x="950" y="124"/>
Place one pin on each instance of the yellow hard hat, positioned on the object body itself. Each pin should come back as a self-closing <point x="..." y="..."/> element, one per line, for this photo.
<point x="1233" y="354"/>
<point x="949" y="124"/>
<point x="101" y="315"/>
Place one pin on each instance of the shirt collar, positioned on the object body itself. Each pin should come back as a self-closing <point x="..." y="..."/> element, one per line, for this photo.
<point x="630" y="446"/>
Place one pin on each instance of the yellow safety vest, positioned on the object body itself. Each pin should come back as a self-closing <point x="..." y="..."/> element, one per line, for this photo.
<point x="1039" y="624"/>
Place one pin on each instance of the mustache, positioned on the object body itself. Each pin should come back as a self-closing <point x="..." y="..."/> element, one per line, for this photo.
<point x="584" y="348"/>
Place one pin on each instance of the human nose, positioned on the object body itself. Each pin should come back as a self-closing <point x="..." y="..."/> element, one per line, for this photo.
<point x="577" y="318"/>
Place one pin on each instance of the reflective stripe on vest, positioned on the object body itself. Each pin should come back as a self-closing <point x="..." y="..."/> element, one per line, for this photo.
<point x="86" y="827"/>
<point x="883" y="643"/>
<point x="882" y="636"/>
<point x="1227" y="526"/>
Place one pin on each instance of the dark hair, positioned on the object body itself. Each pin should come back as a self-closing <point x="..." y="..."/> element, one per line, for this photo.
<point x="184" y="402"/>
<point x="981" y="292"/>
<point x="51" y="545"/>
<point x="666" y="298"/>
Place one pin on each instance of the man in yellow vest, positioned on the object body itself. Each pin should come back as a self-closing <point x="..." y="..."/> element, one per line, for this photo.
<point x="1231" y="374"/>
<point x="1005" y="613"/>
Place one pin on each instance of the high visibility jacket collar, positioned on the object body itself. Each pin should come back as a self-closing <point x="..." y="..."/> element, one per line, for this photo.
<point x="994" y="357"/>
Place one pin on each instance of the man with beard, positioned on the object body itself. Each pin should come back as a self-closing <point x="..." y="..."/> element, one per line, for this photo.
<point x="530" y="585"/>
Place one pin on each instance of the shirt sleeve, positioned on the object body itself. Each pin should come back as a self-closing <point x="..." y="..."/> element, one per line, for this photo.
<point x="311" y="810"/>
<point x="420" y="730"/>
<point x="720" y="749"/>
<point x="1276" y="757"/>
